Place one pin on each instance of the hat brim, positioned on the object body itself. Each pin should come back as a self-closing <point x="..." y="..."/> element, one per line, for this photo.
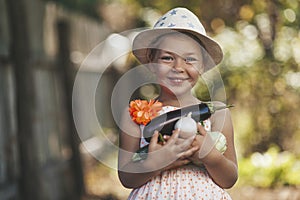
<point x="144" y="39"/>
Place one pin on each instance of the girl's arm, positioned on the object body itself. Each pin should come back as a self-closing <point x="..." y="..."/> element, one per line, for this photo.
<point x="221" y="167"/>
<point x="160" y="157"/>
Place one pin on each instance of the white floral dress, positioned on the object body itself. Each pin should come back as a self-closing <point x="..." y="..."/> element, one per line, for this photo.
<point x="187" y="182"/>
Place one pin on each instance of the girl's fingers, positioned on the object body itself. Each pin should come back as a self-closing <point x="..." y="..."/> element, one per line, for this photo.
<point x="201" y="129"/>
<point x="154" y="138"/>
<point x="188" y="153"/>
<point x="166" y="138"/>
<point x="173" y="138"/>
<point x="184" y="145"/>
<point x="180" y="141"/>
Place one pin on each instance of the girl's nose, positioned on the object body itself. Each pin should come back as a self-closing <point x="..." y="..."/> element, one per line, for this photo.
<point x="179" y="64"/>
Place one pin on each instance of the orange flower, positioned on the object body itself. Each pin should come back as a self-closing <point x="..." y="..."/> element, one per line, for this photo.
<point x="142" y="111"/>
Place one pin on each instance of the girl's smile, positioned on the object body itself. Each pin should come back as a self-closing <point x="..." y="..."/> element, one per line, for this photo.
<point x="177" y="80"/>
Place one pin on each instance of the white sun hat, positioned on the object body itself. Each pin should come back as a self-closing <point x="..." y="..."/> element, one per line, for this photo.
<point x="182" y="20"/>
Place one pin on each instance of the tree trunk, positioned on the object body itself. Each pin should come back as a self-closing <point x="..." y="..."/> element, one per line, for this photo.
<point x="68" y="76"/>
<point x="29" y="182"/>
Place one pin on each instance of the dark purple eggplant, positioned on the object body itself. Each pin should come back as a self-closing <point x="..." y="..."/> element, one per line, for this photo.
<point x="165" y="123"/>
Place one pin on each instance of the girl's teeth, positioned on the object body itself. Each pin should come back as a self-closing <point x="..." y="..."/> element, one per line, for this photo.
<point x="177" y="80"/>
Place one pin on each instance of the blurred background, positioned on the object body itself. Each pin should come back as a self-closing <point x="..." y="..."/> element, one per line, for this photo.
<point x="42" y="45"/>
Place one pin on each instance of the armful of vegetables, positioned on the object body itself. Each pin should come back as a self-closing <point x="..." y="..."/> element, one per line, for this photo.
<point x="185" y="119"/>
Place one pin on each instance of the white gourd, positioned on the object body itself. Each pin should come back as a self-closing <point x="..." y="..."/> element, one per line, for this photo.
<point x="187" y="124"/>
<point x="220" y="140"/>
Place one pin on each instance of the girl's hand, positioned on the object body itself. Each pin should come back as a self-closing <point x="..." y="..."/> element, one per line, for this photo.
<point x="197" y="143"/>
<point x="173" y="153"/>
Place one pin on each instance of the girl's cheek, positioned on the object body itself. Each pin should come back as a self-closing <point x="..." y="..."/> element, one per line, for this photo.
<point x="198" y="70"/>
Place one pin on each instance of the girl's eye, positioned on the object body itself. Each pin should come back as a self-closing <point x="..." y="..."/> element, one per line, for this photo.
<point x="190" y="60"/>
<point x="167" y="58"/>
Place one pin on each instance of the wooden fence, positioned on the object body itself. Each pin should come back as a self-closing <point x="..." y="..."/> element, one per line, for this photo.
<point x="39" y="154"/>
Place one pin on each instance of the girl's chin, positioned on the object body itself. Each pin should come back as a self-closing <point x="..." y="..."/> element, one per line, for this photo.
<point x="178" y="90"/>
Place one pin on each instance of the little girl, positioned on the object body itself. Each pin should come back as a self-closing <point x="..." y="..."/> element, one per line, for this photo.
<point x="177" y="51"/>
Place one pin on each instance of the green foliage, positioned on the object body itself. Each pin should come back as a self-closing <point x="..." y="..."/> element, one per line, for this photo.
<point x="201" y="90"/>
<point x="86" y="7"/>
<point x="270" y="169"/>
<point x="164" y="6"/>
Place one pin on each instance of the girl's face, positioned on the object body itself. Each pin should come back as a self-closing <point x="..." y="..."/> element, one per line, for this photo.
<point x="179" y="62"/>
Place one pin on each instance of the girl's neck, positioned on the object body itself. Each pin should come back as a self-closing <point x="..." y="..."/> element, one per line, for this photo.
<point x="178" y="102"/>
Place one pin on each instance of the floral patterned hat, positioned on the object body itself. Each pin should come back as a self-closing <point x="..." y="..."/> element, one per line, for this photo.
<point x="177" y="19"/>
